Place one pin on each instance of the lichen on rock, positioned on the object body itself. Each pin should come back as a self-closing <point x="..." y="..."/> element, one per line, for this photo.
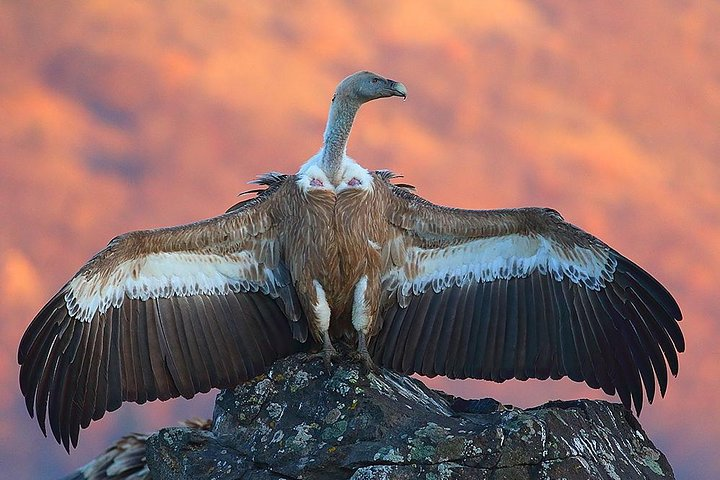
<point x="301" y="421"/>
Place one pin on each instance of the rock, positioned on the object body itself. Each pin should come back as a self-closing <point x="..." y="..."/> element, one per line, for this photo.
<point x="303" y="421"/>
<point x="125" y="460"/>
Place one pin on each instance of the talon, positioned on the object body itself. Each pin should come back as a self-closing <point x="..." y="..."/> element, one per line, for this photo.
<point x="363" y="356"/>
<point x="366" y="362"/>
<point x="328" y="353"/>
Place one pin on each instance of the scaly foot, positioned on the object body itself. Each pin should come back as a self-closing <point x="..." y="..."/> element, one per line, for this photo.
<point x="363" y="356"/>
<point x="328" y="352"/>
<point x="366" y="361"/>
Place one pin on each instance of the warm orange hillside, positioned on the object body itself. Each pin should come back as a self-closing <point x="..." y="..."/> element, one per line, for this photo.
<point x="150" y="114"/>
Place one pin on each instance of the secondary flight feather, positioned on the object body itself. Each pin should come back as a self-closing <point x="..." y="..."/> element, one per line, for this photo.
<point x="338" y="253"/>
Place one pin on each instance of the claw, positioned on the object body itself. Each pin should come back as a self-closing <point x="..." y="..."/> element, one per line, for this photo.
<point x="366" y="361"/>
<point x="328" y="352"/>
<point x="363" y="356"/>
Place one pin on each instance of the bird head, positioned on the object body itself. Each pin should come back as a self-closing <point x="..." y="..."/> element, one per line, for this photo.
<point x="364" y="86"/>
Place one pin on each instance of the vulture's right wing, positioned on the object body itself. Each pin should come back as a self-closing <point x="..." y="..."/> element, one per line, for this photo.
<point x="163" y="313"/>
<point x="520" y="293"/>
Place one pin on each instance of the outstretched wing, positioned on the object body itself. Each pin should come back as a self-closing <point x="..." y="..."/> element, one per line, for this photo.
<point x="163" y="313"/>
<point x="520" y="294"/>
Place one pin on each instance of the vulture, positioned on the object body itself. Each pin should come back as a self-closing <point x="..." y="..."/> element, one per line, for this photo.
<point x="340" y="255"/>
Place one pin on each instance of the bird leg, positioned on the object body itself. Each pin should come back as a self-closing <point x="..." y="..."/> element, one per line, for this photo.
<point x="363" y="356"/>
<point x="322" y="320"/>
<point x="362" y="314"/>
<point x="327" y="353"/>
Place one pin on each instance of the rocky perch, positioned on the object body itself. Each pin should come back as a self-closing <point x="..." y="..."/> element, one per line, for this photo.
<point x="301" y="421"/>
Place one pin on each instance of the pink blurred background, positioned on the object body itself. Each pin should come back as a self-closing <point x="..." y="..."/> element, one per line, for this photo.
<point x="116" y="118"/>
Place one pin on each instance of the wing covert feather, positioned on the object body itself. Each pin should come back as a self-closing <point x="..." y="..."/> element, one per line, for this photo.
<point x="521" y="294"/>
<point x="160" y="314"/>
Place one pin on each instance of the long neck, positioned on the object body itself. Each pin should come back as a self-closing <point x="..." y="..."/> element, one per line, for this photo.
<point x="340" y="120"/>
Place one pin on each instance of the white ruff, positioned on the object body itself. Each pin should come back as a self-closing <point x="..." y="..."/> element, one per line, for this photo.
<point x="163" y="275"/>
<point x="360" y="317"/>
<point x="352" y="170"/>
<point x="312" y="170"/>
<point x="322" y="308"/>
<point x="509" y="256"/>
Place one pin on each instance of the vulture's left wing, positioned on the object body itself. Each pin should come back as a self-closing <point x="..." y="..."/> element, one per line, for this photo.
<point x="163" y="313"/>
<point x="520" y="294"/>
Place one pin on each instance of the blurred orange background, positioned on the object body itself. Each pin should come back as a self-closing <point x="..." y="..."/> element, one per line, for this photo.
<point x="120" y="117"/>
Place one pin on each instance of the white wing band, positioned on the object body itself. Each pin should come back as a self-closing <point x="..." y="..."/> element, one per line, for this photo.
<point x="166" y="275"/>
<point x="488" y="259"/>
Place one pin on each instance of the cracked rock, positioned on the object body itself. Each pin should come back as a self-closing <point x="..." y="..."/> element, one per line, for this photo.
<point x="301" y="421"/>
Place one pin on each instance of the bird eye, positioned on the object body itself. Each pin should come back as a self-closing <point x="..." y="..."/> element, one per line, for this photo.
<point x="375" y="80"/>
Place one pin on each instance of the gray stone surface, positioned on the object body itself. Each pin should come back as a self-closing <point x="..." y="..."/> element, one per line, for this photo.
<point x="301" y="421"/>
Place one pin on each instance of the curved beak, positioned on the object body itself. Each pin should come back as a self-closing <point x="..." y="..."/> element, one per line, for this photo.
<point x="397" y="89"/>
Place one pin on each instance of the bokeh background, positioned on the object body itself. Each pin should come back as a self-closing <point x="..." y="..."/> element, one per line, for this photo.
<point x="121" y="116"/>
